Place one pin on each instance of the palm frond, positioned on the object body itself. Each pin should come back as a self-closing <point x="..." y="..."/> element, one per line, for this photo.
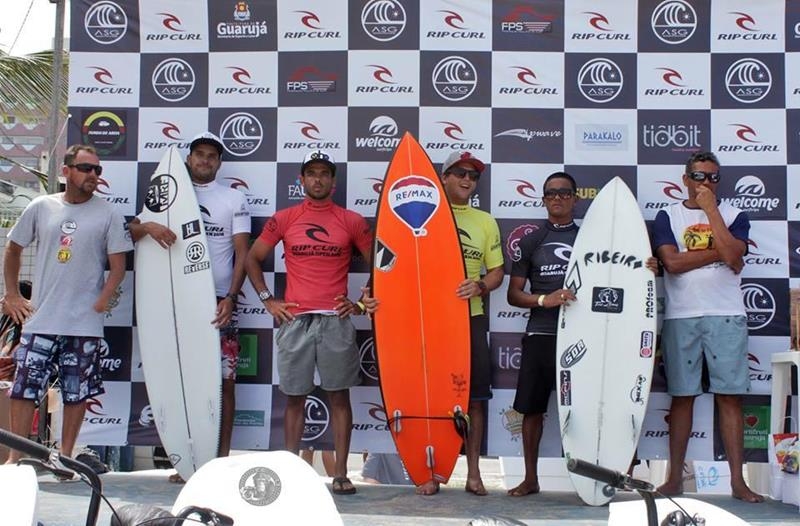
<point x="26" y="84"/>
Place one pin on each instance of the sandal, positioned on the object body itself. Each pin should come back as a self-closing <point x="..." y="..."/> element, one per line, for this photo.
<point x="342" y="486"/>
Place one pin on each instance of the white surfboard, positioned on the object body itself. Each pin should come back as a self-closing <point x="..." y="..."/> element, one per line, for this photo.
<point x="18" y="485"/>
<point x="275" y="487"/>
<point x="606" y="339"/>
<point x="175" y="303"/>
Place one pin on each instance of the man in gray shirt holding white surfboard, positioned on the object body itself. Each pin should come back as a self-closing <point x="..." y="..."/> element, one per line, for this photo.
<point x="228" y="242"/>
<point x="701" y="242"/>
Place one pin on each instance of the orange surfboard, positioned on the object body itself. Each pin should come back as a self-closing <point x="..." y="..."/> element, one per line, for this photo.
<point x="421" y="328"/>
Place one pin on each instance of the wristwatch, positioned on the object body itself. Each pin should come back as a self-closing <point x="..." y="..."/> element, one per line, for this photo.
<point x="483" y="287"/>
<point x="264" y="295"/>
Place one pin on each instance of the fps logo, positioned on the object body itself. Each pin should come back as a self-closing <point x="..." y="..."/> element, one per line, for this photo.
<point x="383" y="20"/>
<point x="316" y="420"/>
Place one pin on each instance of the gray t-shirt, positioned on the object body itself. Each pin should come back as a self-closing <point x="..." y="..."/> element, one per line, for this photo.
<point x="73" y="246"/>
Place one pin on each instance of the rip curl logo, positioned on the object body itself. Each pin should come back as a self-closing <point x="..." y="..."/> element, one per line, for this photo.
<point x="105" y="22"/>
<point x="674" y="21"/>
<point x="414" y="200"/>
<point x="454" y="78"/>
<point x="315" y="231"/>
<point x="607" y="299"/>
<point x="259" y="486"/>
<point x="383" y="20"/>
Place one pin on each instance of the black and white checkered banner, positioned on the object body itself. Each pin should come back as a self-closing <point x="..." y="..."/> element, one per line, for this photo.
<point x="596" y="88"/>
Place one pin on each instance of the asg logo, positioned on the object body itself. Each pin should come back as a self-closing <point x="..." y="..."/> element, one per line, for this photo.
<point x="311" y="135"/>
<point x="383" y="135"/>
<point x="454" y="78"/>
<point x="601" y="29"/>
<point x="748" y="80"/>
<point x="242" y="83"/>
<point x="383" y="20"/>
<point x="748" y="141"/>
<point x="317" y="418"/>
<point x="105" y="22"/>
<point x="173" y="79"/>
<point x="241" y="133"/>
<point x="513" y="250"/>
<point x="674" y="21"/>
<point x="747" y="29"/>
<point x="538" y="23"/>
<point x="457" y="27"/>
<point x="751" y="196"/>
<point x="759" y="305"/>
<point x="600" y="80"/>
<point x="369" y="362"/>
<point x="528" y="83"/>
<point x="314" y="28"/>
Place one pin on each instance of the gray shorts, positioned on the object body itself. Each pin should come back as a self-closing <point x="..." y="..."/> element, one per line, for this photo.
<point x="722" y="340"/>
<point x="316" y="340"/>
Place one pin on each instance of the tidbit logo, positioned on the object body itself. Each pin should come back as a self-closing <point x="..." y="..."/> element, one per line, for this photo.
<point x="454" y="78"/>
<point x="383" y="20"/>
<point x="759" y="305"/>
<point x="241" y="133"/>
<point x="748" y="80"/>
<point x="173" y="79"/>
<point x="674" y="21"/>
<point x="105" y="22"/>
<point x="600" y="80"/>
<point x="317" y="418"/>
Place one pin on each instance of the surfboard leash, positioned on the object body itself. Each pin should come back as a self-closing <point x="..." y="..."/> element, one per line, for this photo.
<point x="460" y="419"/>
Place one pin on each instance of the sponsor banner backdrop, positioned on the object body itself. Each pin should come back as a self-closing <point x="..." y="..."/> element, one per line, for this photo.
<point x="628" y="88"/>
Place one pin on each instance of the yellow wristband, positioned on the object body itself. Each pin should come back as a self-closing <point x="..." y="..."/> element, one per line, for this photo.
<point x="361" y="306"/>
<point x="540" y="301"/>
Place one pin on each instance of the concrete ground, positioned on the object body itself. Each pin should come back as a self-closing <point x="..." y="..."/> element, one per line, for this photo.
<point x="64" y="504"/>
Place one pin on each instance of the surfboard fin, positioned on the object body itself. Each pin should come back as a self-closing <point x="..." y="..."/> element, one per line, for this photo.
<point x="429" y="457"/>
<point x="397" y="416"/>
<point x="633" y="429"/>
<point x="566" y="423"/>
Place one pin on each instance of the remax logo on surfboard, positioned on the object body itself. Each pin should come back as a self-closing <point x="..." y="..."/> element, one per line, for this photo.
<point x="414" y="200"/>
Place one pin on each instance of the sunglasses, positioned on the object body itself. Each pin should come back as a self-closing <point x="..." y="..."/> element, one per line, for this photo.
<point x="460" y="173"/>
<point x="699" y="177"/>
<point x="561" y="193"/>
<point x="87" y="167"/>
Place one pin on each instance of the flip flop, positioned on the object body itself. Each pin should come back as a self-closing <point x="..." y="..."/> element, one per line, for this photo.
<point x="339" y="486"/>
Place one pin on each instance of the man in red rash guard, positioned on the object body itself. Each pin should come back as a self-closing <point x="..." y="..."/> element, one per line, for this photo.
<point x="315" y="328"/>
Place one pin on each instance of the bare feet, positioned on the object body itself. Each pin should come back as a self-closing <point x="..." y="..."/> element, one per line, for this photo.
<point x="671" y="489"/>
<point x="525" y="488"/>
<point x="747" y="495"/>
<point x="429" y="488"/>
<point x="176" y="479"/>
<point x="475" y="486"/>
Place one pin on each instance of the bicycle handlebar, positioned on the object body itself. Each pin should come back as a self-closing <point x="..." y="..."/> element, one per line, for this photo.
<point x="615" y="479"/>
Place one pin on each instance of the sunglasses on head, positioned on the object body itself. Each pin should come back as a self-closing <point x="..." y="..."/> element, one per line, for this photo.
<point x="562" y="193"/>
<point x="699" y="177"/>
<point x="460" y="173"/>
<point x="87" y="167"/>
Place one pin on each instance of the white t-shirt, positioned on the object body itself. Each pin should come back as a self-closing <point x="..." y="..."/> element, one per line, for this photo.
<point x="225" y="213"/>
<point x="711" y="290"/>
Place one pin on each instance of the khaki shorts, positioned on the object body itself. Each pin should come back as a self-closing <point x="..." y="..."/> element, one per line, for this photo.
<point x="324" y="342"/>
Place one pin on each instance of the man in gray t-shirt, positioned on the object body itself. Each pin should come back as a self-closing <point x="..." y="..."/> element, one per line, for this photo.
<point x="76" y="234"/>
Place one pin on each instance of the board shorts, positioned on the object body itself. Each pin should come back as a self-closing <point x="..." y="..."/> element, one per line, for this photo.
<point x="537" y="374"/>
<point x="721" y="340"/>
<point x="76" y="359"/>
<point x="321" y="341"/>
<point x="386" y="468"/>
<point x="229" y="345"/>
<point x="480" y="377"/>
